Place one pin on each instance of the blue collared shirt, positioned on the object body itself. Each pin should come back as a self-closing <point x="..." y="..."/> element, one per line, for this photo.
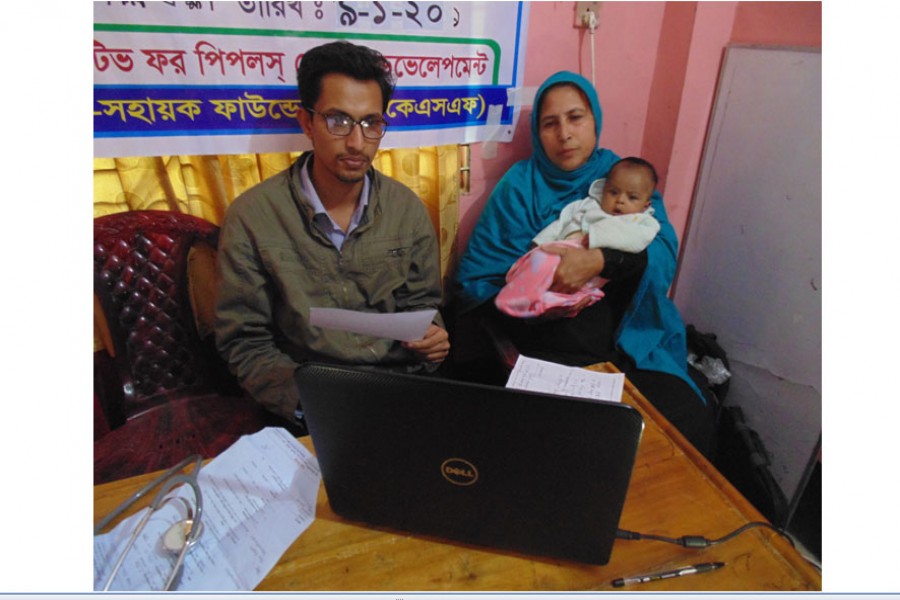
<point x="322" y="219"/>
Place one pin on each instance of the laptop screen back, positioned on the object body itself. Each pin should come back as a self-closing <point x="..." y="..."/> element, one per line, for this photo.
<point x="528" y="472"/>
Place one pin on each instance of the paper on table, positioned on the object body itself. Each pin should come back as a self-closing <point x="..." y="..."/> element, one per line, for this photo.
<point x="551" y="378"/>
<point x="258" y="497"/>
<point x="403" y="326"/>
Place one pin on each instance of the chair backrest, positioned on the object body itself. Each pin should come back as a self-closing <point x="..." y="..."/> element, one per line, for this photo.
<point x="141" y="281"/>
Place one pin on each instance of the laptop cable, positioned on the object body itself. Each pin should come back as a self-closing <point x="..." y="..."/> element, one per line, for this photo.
<point x="699" y="541"/>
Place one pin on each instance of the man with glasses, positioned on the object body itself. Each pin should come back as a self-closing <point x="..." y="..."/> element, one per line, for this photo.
<point x="330" y="231"/>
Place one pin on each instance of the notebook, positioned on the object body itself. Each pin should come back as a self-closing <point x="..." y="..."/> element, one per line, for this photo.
<point x="532" y="473"/>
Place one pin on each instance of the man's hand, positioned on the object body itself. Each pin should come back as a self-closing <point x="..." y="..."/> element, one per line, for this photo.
<point x="576" y="267"/>
<point x="434" y="347"/>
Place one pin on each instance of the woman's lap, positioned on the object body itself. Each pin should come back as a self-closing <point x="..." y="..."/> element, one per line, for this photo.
<point x="680" y="405"/>
<point x="587" y="339"/>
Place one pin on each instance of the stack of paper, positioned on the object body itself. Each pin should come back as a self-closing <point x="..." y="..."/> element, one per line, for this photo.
<point x="258" y="497"/>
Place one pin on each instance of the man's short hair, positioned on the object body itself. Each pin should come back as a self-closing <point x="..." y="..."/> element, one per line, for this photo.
<point x="359" y="62"/>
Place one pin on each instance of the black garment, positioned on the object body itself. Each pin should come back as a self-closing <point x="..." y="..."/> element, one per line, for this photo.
<point x="678" y="403"/>
<point x="589" y="338"/>
<point x="577" y="341"/>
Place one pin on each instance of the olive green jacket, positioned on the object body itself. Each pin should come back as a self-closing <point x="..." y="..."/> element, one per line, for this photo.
<point x="274" y="264"/>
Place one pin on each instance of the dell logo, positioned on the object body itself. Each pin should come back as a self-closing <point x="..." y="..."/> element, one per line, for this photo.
<point x="459" y="471"/>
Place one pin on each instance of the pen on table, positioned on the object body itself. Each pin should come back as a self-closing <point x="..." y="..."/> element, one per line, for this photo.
<point x="691" y="570"/>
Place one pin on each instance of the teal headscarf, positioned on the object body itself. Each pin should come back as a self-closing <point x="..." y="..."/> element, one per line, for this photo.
<point x="549" y="180"/>
<point x="529" y="197"/>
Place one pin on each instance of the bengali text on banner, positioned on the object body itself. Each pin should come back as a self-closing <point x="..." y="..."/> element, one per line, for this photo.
<point x="220" y="77"/>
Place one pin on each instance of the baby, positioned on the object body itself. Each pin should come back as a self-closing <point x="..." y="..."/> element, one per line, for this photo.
<point x="616" y="214"/>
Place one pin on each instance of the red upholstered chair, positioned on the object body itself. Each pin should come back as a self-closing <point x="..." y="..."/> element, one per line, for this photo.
<point x="163" y="390"/>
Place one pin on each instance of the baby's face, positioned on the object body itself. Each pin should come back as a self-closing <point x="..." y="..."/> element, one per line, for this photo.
<point x="627" y="190"/>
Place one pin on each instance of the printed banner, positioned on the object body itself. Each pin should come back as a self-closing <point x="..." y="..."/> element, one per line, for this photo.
<point x="220" y="77"/>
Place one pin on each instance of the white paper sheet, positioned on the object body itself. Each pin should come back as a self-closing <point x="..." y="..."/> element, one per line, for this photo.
<point x="551" y="378"/>
<point x="403" y="326"/>
<point x="258" y="497"/>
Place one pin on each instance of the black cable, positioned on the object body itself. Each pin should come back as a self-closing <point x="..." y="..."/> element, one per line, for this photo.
<point x="698" y="541"/>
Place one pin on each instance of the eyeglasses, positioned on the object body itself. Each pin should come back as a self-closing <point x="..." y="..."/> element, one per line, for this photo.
<point x="338" y="123"/>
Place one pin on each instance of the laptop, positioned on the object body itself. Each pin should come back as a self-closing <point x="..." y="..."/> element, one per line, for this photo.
<point x="533" y="473"/>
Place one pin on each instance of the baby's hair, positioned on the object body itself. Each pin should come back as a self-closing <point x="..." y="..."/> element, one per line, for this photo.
<point x="638" y="162"/>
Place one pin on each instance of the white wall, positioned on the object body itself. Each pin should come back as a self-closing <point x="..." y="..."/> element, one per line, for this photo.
<point x="751" y="264"/>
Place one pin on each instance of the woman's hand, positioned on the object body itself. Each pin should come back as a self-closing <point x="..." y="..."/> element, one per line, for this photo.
<point x="434" y="347"/>
<point x="576" y="267"/>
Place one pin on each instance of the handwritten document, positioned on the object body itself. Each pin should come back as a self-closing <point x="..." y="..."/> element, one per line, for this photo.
<point x="403" y="326"/>
<point x="551" y="378"/>
<point x="258" y="497"/>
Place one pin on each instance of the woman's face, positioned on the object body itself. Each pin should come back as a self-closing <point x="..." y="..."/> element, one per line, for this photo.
<point x="566" y="127"/>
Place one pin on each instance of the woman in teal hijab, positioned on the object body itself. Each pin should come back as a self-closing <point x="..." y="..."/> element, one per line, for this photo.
<point x="635" y="326"/>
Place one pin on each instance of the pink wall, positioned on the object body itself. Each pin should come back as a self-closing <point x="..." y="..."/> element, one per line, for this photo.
<point x="709" y="36"/>
<point x="656" y="66"/>
<point x="778" y="23"/>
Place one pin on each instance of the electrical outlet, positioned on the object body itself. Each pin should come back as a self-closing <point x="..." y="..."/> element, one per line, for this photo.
<point x="581" y="12"/>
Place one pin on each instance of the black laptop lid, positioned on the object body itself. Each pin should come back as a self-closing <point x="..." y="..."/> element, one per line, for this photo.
<point x="535" y="473"/>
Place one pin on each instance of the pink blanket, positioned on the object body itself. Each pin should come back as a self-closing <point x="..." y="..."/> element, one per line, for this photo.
<point x="527" y="290"/>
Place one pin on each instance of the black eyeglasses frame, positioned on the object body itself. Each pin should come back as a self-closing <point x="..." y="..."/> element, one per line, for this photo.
<point x="365" y="124"/>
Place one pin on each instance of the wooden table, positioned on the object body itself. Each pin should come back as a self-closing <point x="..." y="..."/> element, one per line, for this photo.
<point x="674" y="491"/>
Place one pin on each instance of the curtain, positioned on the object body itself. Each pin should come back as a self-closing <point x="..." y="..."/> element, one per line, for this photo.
<point x="204" y="186"/>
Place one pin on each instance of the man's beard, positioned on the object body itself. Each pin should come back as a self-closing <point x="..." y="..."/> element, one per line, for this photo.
<point x="351" y="176"/>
